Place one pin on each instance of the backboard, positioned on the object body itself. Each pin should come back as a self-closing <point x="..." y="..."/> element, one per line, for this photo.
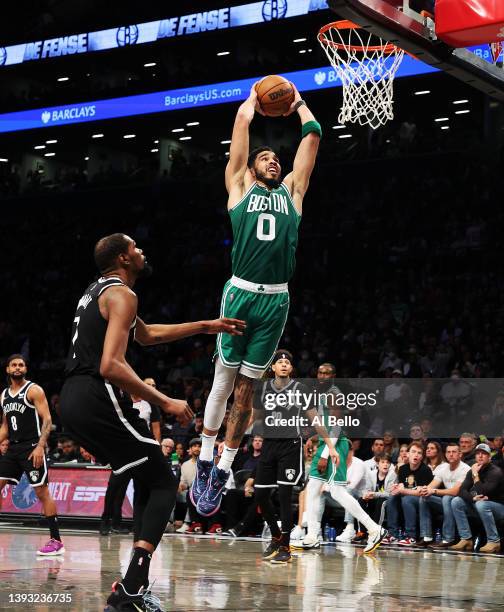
<point x="397" y="22"/>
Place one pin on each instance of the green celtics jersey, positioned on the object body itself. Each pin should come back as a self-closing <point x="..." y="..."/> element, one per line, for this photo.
<point x="265" y="232"/>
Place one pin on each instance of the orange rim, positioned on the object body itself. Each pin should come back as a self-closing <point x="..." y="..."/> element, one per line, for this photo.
<point x="349" y="25"/>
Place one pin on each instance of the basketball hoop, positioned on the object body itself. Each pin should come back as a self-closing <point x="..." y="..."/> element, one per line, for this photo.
<point x="366" y="66"/>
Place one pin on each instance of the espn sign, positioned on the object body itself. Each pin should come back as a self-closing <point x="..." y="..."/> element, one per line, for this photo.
<point x="88" y="494"/>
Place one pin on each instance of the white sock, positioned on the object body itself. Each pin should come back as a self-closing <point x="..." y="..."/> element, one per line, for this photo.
<point x="349" y="503"/>
<point x="207" y="447"/>
<point x="227" y="458"/>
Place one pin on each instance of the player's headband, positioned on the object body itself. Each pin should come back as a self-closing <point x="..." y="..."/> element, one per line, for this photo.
<point x="282" y="355"/>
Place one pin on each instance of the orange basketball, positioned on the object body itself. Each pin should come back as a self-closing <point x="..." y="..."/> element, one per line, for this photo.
<point x="275" y="95"/>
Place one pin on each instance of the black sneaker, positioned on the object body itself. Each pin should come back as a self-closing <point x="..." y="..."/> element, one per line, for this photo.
<point x="282" y="556"/>
<point x="272" y="549"/>
<point x="105" y="528"/>
<point x="121" y="601"/>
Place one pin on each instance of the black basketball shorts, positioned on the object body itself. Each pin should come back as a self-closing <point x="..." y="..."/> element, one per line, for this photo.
<point x="101" y="418"/>
<point x="281" y="462"/>
<point x="15" y="462"/>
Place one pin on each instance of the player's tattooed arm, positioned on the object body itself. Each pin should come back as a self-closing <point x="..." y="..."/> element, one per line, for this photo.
<point x="239" y="416"/>
<point x="38" y="398"/>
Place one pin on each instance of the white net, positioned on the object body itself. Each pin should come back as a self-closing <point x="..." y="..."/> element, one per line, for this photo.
<point x="366" y="66"/>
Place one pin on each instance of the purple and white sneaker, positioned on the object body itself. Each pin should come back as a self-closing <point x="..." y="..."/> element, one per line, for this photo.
<point x="200" y="482"/>
<point x="52" y="548"/>
<point x="209" y="503"/>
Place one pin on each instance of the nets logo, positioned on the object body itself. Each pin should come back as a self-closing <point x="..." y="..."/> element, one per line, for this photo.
<point x="127" y="35"/>
<point x="320" y="77"/>
<point x="46" y="116"/>
<point x="3" y="56"/>
<point x="89" y="494"/>
<point x="274" y="9"/>
<point x="290" y="473"/>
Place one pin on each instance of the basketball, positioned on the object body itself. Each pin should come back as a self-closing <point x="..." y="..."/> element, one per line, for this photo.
<point x="275" y="95"/>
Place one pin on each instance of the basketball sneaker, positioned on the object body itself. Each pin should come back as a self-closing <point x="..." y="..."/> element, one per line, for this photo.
<point x="311" y="541"/>
<point x="298" y="533"/>
<point x="52" y="548"/>
<point x="122" y="601"/>
<point x="200" y="482"/>
<point x="282" y="557"/>
<point x="272" y="549"/>
<point x="210" y="500"/>
<point x="347" y="534"/>
<point x="375" y="539"/>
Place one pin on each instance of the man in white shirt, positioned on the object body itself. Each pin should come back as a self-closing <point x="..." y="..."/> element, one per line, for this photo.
<point x="450" y="476"/>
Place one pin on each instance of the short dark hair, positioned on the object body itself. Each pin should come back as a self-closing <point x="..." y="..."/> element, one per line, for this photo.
<point x="383" y="457"/>
<point x="254" y="153"/>
<point x="15" y="356"/>
<point x="108" y="249"/>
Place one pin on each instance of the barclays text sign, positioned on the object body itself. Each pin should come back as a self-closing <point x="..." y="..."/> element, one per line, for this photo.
<point x="176" y="99"/>
<point x="137" y="34"/>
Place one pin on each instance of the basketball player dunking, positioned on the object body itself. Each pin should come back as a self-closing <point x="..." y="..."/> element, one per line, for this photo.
<point x="26" y="422"/>
<point x="97" y="410"/>
<point x="265" y="213"/>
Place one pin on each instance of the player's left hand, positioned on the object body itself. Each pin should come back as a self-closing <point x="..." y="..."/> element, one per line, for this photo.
<point x="37" y="456"/>
<point x="297" y="97"/>
<point x="225" y="325"/>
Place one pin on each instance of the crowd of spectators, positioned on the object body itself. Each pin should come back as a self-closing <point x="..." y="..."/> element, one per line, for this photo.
<point x="398" y="277"/>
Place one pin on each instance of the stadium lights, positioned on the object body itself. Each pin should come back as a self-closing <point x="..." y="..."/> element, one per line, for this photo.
<point x="185" y="138"/>
<point x="445" y="127"/>
<point x="39" y="147"/>
<point x="296" y="40"/>
<point x="49" y="154"/>
<point x="227" y="154"/>
<point x="424" y="92"/>
<point x="154" y="150"/>
<point x="302" y="50"/>
<point x="178" y="130"/>
<point x="86" y="158"/>
<point x="3" y="160"/>
<point x="225" y="142"/>
<point x="129" y="136"/>
<point x="345" y="136"/>
<point x="192" y="123"/>
<point x="62" y="79"/>
<point x="221" y="53"/>
<point x="156" y="142"/>
<point x="338" y="127"/>
<point x="460" y="101"/>
<point x="441" y="119"/>
<point x="150" y="64"/>
<point x="462" y="112"/>
<point x="51" y="141"/>
<point x="97" y="135"/>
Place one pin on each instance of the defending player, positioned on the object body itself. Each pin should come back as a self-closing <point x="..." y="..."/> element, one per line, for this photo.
<point x="26" y="422"/>
<point x="265" y="213"/>
<point x="97" y="410"/>
<point x="324" y="471"/>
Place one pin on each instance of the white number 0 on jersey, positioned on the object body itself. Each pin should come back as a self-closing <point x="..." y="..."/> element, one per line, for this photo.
<point x="261" y="234"/>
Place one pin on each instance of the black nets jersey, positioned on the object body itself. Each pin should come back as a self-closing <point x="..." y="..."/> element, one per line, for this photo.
<point x="282" y="410"/>
<point x="23" y="420"/>
<point x="89" y="329"/>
